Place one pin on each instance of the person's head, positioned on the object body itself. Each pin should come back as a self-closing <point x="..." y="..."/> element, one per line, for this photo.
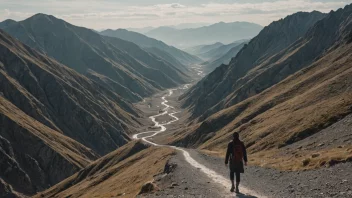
<point x="236" y="136"/>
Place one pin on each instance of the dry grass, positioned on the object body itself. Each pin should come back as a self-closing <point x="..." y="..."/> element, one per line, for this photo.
<point x="298" y="160"/>
<point x="69" y="149"/>
<point x="299" y="106"/>
<point x="114" y="175"/>
<point x="302" y="160"/>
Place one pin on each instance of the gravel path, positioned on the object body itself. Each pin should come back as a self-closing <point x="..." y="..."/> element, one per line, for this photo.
<point x="186" y="180"/>
<point x="335" y="181"/>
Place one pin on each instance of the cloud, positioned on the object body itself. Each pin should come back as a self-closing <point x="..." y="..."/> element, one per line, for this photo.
<point x="177" y="5"/>
<point x="170" y="13"/>
<point x="161" y="7"/>
<point x="108" y="15"/>
<point x="7" y="13"/>
<point x="105" y="13"/>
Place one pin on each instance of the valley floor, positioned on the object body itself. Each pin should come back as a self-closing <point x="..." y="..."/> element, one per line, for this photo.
<point x="191" y="180"/>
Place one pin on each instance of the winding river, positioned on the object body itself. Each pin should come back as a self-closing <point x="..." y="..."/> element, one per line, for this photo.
<point x="169" y="110"/>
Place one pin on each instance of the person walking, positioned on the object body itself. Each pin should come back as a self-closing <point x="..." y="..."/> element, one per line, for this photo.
<point x="236" y="153"/>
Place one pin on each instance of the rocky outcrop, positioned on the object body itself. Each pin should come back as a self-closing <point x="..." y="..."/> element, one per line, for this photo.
<point x="148" y="187"/>
<point x="7" y="191"/>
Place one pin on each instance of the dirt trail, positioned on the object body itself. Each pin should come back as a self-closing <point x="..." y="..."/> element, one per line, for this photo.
<point x="169" y="110"/>
<point x="201" y="175"/>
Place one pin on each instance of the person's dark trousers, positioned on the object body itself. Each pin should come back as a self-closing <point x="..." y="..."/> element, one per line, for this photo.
<point x="238" y="177"/>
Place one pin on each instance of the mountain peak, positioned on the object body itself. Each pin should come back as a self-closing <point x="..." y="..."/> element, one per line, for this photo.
<point x="6" y="23"/>
<point x="40" y="17"/>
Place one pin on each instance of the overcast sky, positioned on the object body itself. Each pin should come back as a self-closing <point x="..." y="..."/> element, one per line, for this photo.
<point x="101" y="14"/>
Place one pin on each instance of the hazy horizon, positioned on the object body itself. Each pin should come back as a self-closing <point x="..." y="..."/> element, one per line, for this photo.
<point x="112" y="14"/>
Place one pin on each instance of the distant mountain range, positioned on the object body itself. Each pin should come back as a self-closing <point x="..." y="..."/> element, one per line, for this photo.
<point x="217" y="53"/>
<point x="220" y="51"/>
<point x="287" y="84"/>
<point x="116" y="64"/>
<point x="219" y="32"/>
<point x="179" y="26"/>
<point x="139" y="30"/>
<point x="224" y="56"/>
<point x="202" y="49"/>
<point x="271" y="40"/>
<point x="154" y="46"/>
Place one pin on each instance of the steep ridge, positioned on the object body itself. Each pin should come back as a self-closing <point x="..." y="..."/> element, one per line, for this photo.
<point x="62" y="99"/>
<point x="298" y="107"/>
<point x="146" y="42"/>
<point x="28" y="150"/>
<point x="218" y="32"/>
<point x="167" y="57"/>
<point x="86" y="51"/>
<point x="216" y="53"/>
<point x="141" y="30"/>
<point x="172" y="75"/>
<point x="227" y="79"/>
<point x="104" y="177"/>
<point x="211" y="65"/>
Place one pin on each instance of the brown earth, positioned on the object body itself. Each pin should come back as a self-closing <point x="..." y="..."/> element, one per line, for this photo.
<point x="290" y="111"/>
<point x="120" y="173"/>
<point x="229" y="84"/>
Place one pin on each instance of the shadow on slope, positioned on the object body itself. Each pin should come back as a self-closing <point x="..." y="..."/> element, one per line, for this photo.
<point x="120" y="173"/>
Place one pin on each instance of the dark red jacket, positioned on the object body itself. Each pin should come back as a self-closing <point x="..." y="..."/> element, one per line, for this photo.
<point x="230" y="149"/>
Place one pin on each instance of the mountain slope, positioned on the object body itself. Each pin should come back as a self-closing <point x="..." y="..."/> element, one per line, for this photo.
<point x="86" y="51"/>
<point x="224" y="83"/>
<point x="218" y="52"/>
<point x="219" y="32"/>
<point x="165" y="74"/>
<point x="210" y="66"/>
<point x="146" y="42"/>
<point x="141" y="30"/>
<point x="111" y="175"/>
<point x="291" y="111"/>
<point x="50" y="114"/>
<point x="62" y="99"/>
<point x="167" y="57"/>
<point x="200" y="49"/>
<point x="275" y="121"/>
<point x="28" y="149"/>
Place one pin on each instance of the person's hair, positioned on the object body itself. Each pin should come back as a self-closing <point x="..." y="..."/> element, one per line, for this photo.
<point x="236" y="136"/>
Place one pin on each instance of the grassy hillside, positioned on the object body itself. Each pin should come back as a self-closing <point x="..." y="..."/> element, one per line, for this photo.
<point x="120" y="173"/>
